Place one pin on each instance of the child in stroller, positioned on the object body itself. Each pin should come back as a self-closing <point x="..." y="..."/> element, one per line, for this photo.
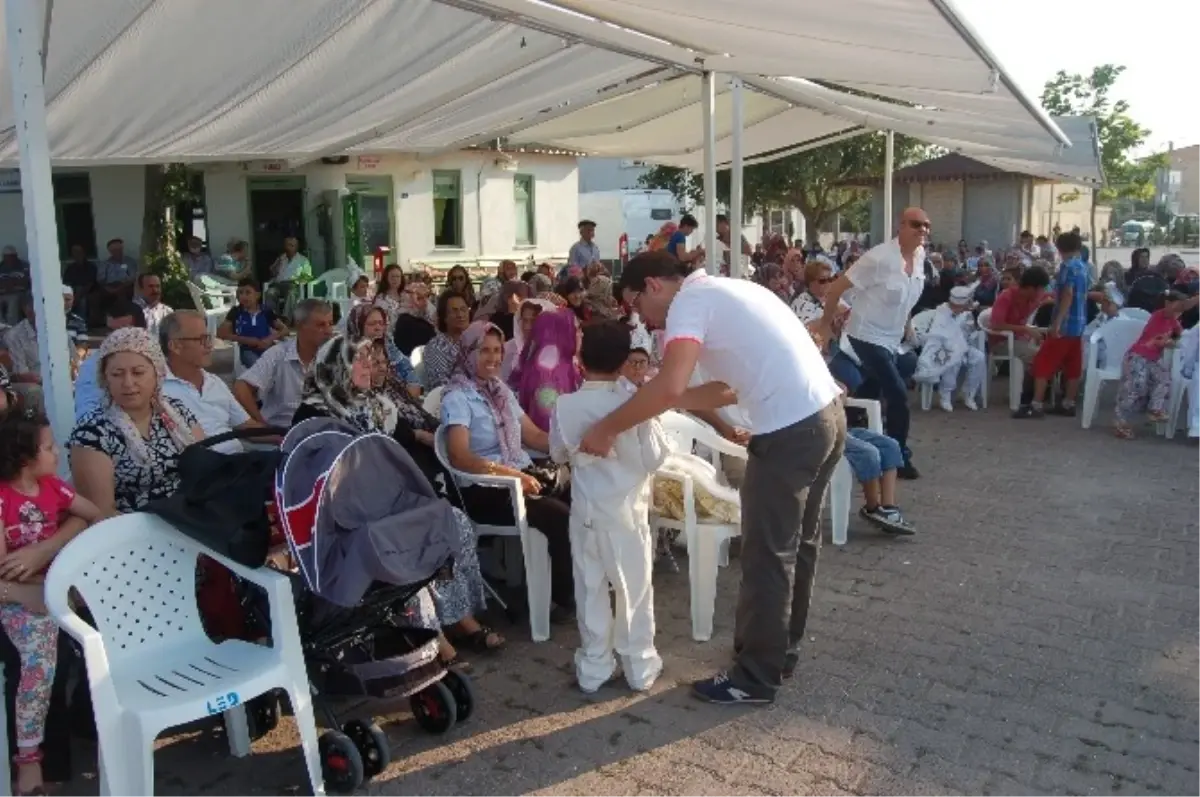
<point x="357" y="556"/>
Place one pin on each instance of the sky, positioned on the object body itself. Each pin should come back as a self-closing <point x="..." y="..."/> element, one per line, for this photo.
<point x="1033" y="39"/>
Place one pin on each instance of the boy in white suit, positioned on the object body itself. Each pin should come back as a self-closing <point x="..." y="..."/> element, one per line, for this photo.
<point x="611" y="541"/>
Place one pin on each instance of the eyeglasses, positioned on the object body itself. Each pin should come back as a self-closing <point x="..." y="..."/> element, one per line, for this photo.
<point x="826" y="280"/>
<point x="203" y="340"/>
<point x="919" y="225"/>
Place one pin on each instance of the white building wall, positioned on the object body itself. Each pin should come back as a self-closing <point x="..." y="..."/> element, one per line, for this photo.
<point x="488" y="208"/>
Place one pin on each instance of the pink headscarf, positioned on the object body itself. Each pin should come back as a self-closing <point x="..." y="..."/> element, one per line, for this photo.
<point x="546" y="368"/>
<point x="499" y="398"/>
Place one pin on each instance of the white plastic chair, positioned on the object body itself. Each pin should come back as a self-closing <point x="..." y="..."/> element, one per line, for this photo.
<point x="433" y="401"/>
<point x="705" y="541"/>
<point x="238" y="368"/>
<point x="1118" y="335"/>
<point x="1007" y="354"/>
<point x="334" y="281"/>
<point x="214" y="315"/>
<point x="1179" y="389"/>
<point x="417" y="358"/>
<point x="534" y="548"/>
<point x="841" y="486"/>
<point x="150" y="664"/>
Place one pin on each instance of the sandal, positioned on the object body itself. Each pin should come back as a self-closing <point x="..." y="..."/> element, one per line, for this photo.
<point x="1123" y="433"/>
<point x="482" y="640"/>
<point x="1157" y="417"/>
<point x="457" y="664"/>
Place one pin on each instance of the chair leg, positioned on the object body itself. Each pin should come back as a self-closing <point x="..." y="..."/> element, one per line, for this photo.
<point x="537" y="583"/>
<point x="1016" y="380"/>
<point x="840" y="488"/>
<point x="926" y="396"/>
<point x="1091" y="397"/>
<point x="302" y="708"/>
<point x="237" y="728"/>
<point x="703" y="552"/>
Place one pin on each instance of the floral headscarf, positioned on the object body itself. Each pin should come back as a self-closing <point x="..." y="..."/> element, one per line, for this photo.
<point x="600" y="298"/>
<point x="392" y="385"/>
<point x="136" y="340"/>
<point x="546" y="368"/>
<point x="466" y="377"/>
<point x="553" y="298"/>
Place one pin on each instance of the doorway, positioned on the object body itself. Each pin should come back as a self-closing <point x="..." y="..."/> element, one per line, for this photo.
<point x="276" y="213"/>
<point x="375" y="213"/>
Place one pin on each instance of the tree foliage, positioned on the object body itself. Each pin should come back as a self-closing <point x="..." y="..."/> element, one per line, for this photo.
<point x="165" y="187"/>
<point x="1120" y="136"/>
<point x="815" y="182"/>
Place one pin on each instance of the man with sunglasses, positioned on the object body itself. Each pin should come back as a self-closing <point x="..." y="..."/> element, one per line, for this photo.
<point x="887" y="283"/>
<point x="727" y="328"/>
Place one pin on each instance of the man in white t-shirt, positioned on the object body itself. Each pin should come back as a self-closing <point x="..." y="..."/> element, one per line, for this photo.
<point x="887" y="282"/>
<point x="763" y="360"/>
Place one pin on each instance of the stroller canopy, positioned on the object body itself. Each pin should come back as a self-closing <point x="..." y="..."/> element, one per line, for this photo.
<point x="356" y="509"/>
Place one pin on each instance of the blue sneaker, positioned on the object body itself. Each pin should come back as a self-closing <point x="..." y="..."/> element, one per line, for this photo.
<point x="721" y="691"/>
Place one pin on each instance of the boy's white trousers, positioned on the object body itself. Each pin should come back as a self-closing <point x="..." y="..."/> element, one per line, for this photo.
<point x="605" y="553"/>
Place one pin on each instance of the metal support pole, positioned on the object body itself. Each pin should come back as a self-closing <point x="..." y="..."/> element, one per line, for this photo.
<point x="709" y="91"/>
<point x="889" y="165"/>
<point x="735" y="182"/>
<point x="25" y="23"/>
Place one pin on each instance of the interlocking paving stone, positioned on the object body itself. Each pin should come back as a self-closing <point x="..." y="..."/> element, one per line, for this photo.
<point x="1038" y="635"/>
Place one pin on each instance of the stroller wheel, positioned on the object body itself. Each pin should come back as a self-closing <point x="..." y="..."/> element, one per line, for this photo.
<point x="435" y="708"/>
<point x="262" y="715"/>
<point x="464" y="694"/>
<point x="341" y="763"/>
<point x="372" y="744"/>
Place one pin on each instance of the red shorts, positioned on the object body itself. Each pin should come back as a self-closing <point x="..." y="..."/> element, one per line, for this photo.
<point x="1059" y="354"/>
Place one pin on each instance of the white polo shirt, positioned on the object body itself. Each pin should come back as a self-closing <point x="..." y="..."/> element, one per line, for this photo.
<point x="884" y="295"/>
<point x="213" y="404"/>
<point x="754" y="343"/>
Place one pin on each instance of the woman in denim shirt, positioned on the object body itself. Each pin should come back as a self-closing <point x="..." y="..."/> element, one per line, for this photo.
<point x="487" y="433"/>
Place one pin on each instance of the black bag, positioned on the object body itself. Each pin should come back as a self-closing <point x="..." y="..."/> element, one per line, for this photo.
<point x="222" y="498"/>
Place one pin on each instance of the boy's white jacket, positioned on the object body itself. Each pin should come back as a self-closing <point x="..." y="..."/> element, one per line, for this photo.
<point x="614" y="489"/>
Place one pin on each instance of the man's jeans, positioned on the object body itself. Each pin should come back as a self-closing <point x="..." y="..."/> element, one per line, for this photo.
<point x="883" y="367"/>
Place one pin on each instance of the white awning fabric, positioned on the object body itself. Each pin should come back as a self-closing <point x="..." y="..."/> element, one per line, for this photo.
<point x="143" y="81"/>
<point x="1078" y="164"/>
<point x="900" y="49"/>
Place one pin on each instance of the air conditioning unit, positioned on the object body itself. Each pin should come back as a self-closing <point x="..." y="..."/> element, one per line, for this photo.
<point x="506" y="163"/>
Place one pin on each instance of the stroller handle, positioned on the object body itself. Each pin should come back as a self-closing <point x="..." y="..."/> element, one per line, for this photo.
<point x="242" y="434"/>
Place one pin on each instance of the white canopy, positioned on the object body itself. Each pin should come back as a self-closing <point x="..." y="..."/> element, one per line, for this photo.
<point x="136" y="81"/>
<point x="1078" y="164"/>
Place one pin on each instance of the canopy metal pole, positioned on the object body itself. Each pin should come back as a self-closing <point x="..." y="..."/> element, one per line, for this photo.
<point x="25" y="24"/>
<point x="709" y="90"/>
<point x="889" y="163"/>
<point x="735" y="182"/>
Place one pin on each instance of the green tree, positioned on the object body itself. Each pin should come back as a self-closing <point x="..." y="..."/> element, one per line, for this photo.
<point x="1126" y="177"/>
<point x="818" y="182"/>
<point x="165" y="186"/>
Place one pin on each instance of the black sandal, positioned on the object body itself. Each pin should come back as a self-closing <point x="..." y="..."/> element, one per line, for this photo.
<point x="478" y="641"/>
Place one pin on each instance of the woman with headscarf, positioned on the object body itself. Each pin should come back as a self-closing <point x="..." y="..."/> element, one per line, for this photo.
<point x="599" y="299"/>
<point x="347" y="383"/>
<point x="125" y="453"/>
<point x="1139" y="265"/>
<point x="370" y="321"/>
<point x="546" y="368"/>
<point x="487" y="433"/>
<point x="458" y="281"/>
<point x="1113" y="272"/>
<point x="530" y="310"/>
<point x="413" y="326"/>
<point x="8" y="397"/>
<point x="774" y="278"/>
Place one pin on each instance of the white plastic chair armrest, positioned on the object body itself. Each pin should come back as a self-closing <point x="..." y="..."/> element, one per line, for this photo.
<point x="74" y="625"/>
<point x="712" y="440"/>
<point x="874" y="412"/>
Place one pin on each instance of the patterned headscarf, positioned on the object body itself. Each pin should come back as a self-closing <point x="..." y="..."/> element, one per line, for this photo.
<point x="466" y="377"/>
<point x="547" y="366"/>
<point x="330" y="389"/>
<point x="499" y="302"/>
<point x="553" y="298"/>
<point x="136" y="340"/>
<point x="600" y="298"/>
<point x="391" y="386"/>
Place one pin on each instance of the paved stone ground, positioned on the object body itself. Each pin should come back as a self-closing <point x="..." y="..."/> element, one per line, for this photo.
<point x="1038" y="636"/>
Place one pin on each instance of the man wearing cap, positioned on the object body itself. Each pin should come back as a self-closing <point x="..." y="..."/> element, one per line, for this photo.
<point x="584" y="252"/>
<point x="948" y="350"/>
<point x="14" y="280"/>
<point x="798" y="432"/>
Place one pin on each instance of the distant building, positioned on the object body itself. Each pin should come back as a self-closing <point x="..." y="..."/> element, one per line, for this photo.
<point x="967" y="199"/>
<point x="1179" y="185"/>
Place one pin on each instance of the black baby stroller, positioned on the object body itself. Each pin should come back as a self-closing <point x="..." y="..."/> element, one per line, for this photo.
<point x="366" y="532"/>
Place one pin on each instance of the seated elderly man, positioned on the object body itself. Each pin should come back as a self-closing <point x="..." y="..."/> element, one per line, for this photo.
<point x="184" y="339"/>
<point x="88" y="396"/>
<point x="277" y="379"/>
<point x="150" y="298"/>
<point x="22" y="344"/>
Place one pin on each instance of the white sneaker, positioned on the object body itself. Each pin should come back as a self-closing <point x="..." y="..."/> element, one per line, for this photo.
<point x="969" y="403"/>
<point x="945" y="403"/>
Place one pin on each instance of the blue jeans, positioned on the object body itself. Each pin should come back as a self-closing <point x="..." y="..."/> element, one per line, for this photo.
<point x="883" y="366"/>
<point x="249" y="356"/>
<point x="870" y="454"/>
<point x="845" y="371"/>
